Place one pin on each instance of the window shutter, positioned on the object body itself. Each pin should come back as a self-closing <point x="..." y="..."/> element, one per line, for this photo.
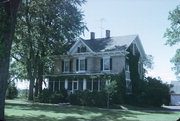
<point x="110" y="63"/>
<point x="86" y="64"/>
<point x="62" y="66"/>
<point x="70" y="66"/>
<point x="77" y="64"/>
<point x="101" y="64"/>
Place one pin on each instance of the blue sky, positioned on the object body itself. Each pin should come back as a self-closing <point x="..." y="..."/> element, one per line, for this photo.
<point x="147" y="18"/>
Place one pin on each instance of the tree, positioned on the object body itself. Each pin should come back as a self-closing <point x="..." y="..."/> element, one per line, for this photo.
<point x="173" y="36"/>
<point x="8" y="12"/>
<point x="43" y="28"/>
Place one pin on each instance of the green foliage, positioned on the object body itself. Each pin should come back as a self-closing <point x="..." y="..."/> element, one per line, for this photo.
<point x="176" y="61"/>
<point x="12" y="92"/>
<point x="119" y="91"/>
<point x="173" y="32"/>
<point x="44" y="27"/>
<point x="153" y="93"/>
<point x="88" y="98"/>
<point x="56" y="98"/>
<point x="173" y="36"/>
<point x="157" y="93"/>
<point x="48" y="96"/>
<point x="134" y="75"/>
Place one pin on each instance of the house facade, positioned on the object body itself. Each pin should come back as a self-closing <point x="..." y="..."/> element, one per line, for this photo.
<point x="87" y="61"/>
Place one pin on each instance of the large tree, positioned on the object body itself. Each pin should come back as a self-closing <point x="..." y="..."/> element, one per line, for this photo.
<point x="8" y="12"/>
<point x="173" y="36"/>
<point x="43" y="27"/>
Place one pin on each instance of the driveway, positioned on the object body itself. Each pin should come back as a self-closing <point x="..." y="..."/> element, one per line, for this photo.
<point x="177" y="108"/>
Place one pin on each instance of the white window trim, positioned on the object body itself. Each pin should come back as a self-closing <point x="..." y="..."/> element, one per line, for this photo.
<point x="81" y="58"/>
<point x="127" y="70"/>
<point x="66" y="60"/>
<point x="106" y="57"/>
<point x="75" y="81"/>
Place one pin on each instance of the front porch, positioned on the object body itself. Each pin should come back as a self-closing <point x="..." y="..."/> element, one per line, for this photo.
<point x="77" y="82"/>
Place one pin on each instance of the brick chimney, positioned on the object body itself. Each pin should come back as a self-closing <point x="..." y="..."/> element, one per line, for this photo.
<point x="107" y="33"/>
<point x="92" y="35"/>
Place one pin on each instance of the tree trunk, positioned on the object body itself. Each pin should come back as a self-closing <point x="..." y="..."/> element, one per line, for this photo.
<point x="31" y="87"/>
<point x="31" y="78"/>
<point x="11" y="8"/>
<point x="40" y="75"/>
<point x="36" y="88"/>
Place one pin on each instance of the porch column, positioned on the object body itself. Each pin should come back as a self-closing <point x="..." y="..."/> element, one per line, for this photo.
<point x="66" y="84"/>
<point x="107" y="83"/>
<point x="59" y="85"/>
<point x="84" y="84"/>
<point x="92" y="84"/>
<point x="72" y="86"/>
<point x="53" y="85"/>
<point x="77" y="84"/>
<point x="99" y="85"/>
<point x="46" y="80"/>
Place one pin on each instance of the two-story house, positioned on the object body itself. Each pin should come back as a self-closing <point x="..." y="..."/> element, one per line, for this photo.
<point x="87" y="60"/>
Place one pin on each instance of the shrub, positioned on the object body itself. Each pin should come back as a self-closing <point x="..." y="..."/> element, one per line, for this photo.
<point x="44" y="96"/>
<point x="88" y="98"/>
<point x="56" y="97"/>
<point x="12" y="92"/>
<point x="65" y="95"/>
<point x="159" y="91"/>
<point x="47" y="96"/>
<point x="152" y="93"/>
<point x="76" y="98"/>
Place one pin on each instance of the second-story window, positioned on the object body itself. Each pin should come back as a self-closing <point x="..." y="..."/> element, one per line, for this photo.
<point x="66" y="65"/>
<point x="81" y="64"/>
<point x="106" y="63"/>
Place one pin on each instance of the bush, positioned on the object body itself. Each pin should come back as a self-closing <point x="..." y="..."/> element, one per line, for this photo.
<point x="12" y="92"/>
<point x="88" y="98"/>
<point x="159" y="91"/>
<point x="152" y="93"/>
<point x="56" y="97"/>
<point x="53" y="97"/>
<point x="76" y="98"/>
<point x="44" y="96"/>
<point x="65" y="95"/>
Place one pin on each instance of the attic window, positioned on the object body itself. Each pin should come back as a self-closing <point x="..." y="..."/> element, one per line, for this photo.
<point x="81" y="49"/>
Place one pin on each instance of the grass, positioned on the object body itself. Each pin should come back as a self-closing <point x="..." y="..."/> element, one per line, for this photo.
<point x="17" y="110"/>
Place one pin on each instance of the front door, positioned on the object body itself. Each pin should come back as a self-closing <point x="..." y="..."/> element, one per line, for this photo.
<point x="74" y="86"/>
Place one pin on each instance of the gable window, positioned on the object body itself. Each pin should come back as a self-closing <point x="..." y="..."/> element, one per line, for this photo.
<point x="106" y="63"/>
<point x="81" y="49"/>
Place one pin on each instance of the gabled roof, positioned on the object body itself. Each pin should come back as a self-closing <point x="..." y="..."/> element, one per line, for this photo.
<point x="110" y="44"/>
<point x="118" y="43"/>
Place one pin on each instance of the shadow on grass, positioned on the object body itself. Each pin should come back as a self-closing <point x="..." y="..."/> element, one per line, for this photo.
<point x="37" y="112"/>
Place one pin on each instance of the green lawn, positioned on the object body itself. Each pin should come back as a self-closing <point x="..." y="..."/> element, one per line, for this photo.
<point x="21" y="111"/>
